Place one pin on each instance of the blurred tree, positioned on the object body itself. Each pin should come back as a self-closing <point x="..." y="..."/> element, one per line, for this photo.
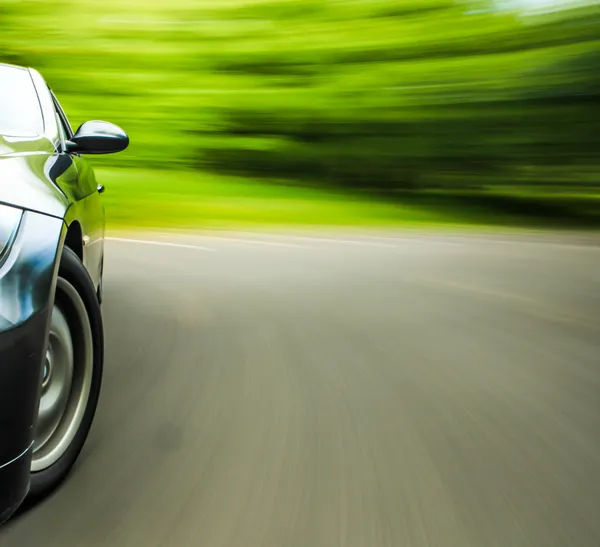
<point x="383" y="96"/>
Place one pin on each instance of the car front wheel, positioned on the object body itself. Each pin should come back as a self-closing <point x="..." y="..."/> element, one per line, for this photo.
<point x="71" y="379"/>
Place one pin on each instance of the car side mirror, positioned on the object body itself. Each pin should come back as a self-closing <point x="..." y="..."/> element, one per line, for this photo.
<point x="96" y="137"/>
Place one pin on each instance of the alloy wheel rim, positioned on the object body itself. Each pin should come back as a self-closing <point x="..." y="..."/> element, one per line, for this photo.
<point x="66" y="380"/>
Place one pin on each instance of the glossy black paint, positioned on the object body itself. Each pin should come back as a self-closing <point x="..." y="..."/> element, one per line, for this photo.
<point x="97" y="137"/>
<point x="42" y="175"/>
<point x="24" y="345"/>
<point x="14" y="478"/>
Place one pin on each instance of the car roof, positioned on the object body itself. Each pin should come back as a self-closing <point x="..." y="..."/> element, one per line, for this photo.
<point x="8" y="65"/>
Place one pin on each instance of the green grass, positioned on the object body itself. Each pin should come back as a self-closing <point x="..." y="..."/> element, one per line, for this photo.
<point x="190" y="199"/>
<point x="180" y="199"/>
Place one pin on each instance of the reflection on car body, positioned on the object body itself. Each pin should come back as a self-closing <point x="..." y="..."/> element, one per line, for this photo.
<point x="51" y="336"/>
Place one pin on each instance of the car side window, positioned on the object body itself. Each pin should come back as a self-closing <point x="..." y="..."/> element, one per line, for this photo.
<point x="65" y="126"/>
<point x="62" y="133"/>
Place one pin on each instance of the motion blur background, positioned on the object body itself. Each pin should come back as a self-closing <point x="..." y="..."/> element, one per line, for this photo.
<point x="330" y="111"/>
<point x="380" y="387"/>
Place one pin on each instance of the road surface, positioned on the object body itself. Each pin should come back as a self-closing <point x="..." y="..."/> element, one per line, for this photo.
<point x="349" y="390"/>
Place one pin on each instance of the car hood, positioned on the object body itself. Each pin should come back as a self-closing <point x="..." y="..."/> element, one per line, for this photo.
<point x="25" y="176"/>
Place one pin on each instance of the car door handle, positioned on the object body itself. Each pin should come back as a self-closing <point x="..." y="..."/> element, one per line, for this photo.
<point x="100" y="188"/>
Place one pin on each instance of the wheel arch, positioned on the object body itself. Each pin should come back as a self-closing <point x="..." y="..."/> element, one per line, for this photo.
<point x="74" y="238"/>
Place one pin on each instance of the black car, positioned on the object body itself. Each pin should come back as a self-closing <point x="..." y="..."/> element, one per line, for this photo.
<point x="51" y="260"/>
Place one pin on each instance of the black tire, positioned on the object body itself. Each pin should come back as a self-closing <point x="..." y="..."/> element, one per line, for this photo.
<point x="72" y="270"/>
<point x="100" y="291"/>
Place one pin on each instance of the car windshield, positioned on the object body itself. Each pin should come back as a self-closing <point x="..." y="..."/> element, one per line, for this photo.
<point x="20" y="113"/>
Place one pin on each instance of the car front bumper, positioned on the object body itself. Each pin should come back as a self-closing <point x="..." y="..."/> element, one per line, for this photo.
<point x="21" y="352"/>
<point x="27" y="281"/>
<point x="14" y="478"/>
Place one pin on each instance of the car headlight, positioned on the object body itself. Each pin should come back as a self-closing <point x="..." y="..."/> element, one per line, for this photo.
<point x="10" y="219"/>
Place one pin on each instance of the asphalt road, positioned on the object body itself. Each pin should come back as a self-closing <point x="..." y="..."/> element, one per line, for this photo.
<point x="408" y="390"/>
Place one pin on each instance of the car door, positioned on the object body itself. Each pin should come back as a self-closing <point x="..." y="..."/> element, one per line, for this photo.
<point x="87" y="208"/>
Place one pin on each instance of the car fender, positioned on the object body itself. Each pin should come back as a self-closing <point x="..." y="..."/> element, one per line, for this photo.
<point x="27" y="284"/>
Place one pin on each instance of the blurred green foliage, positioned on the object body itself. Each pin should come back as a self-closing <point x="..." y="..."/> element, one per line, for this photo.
<point x="446" y="104"/>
